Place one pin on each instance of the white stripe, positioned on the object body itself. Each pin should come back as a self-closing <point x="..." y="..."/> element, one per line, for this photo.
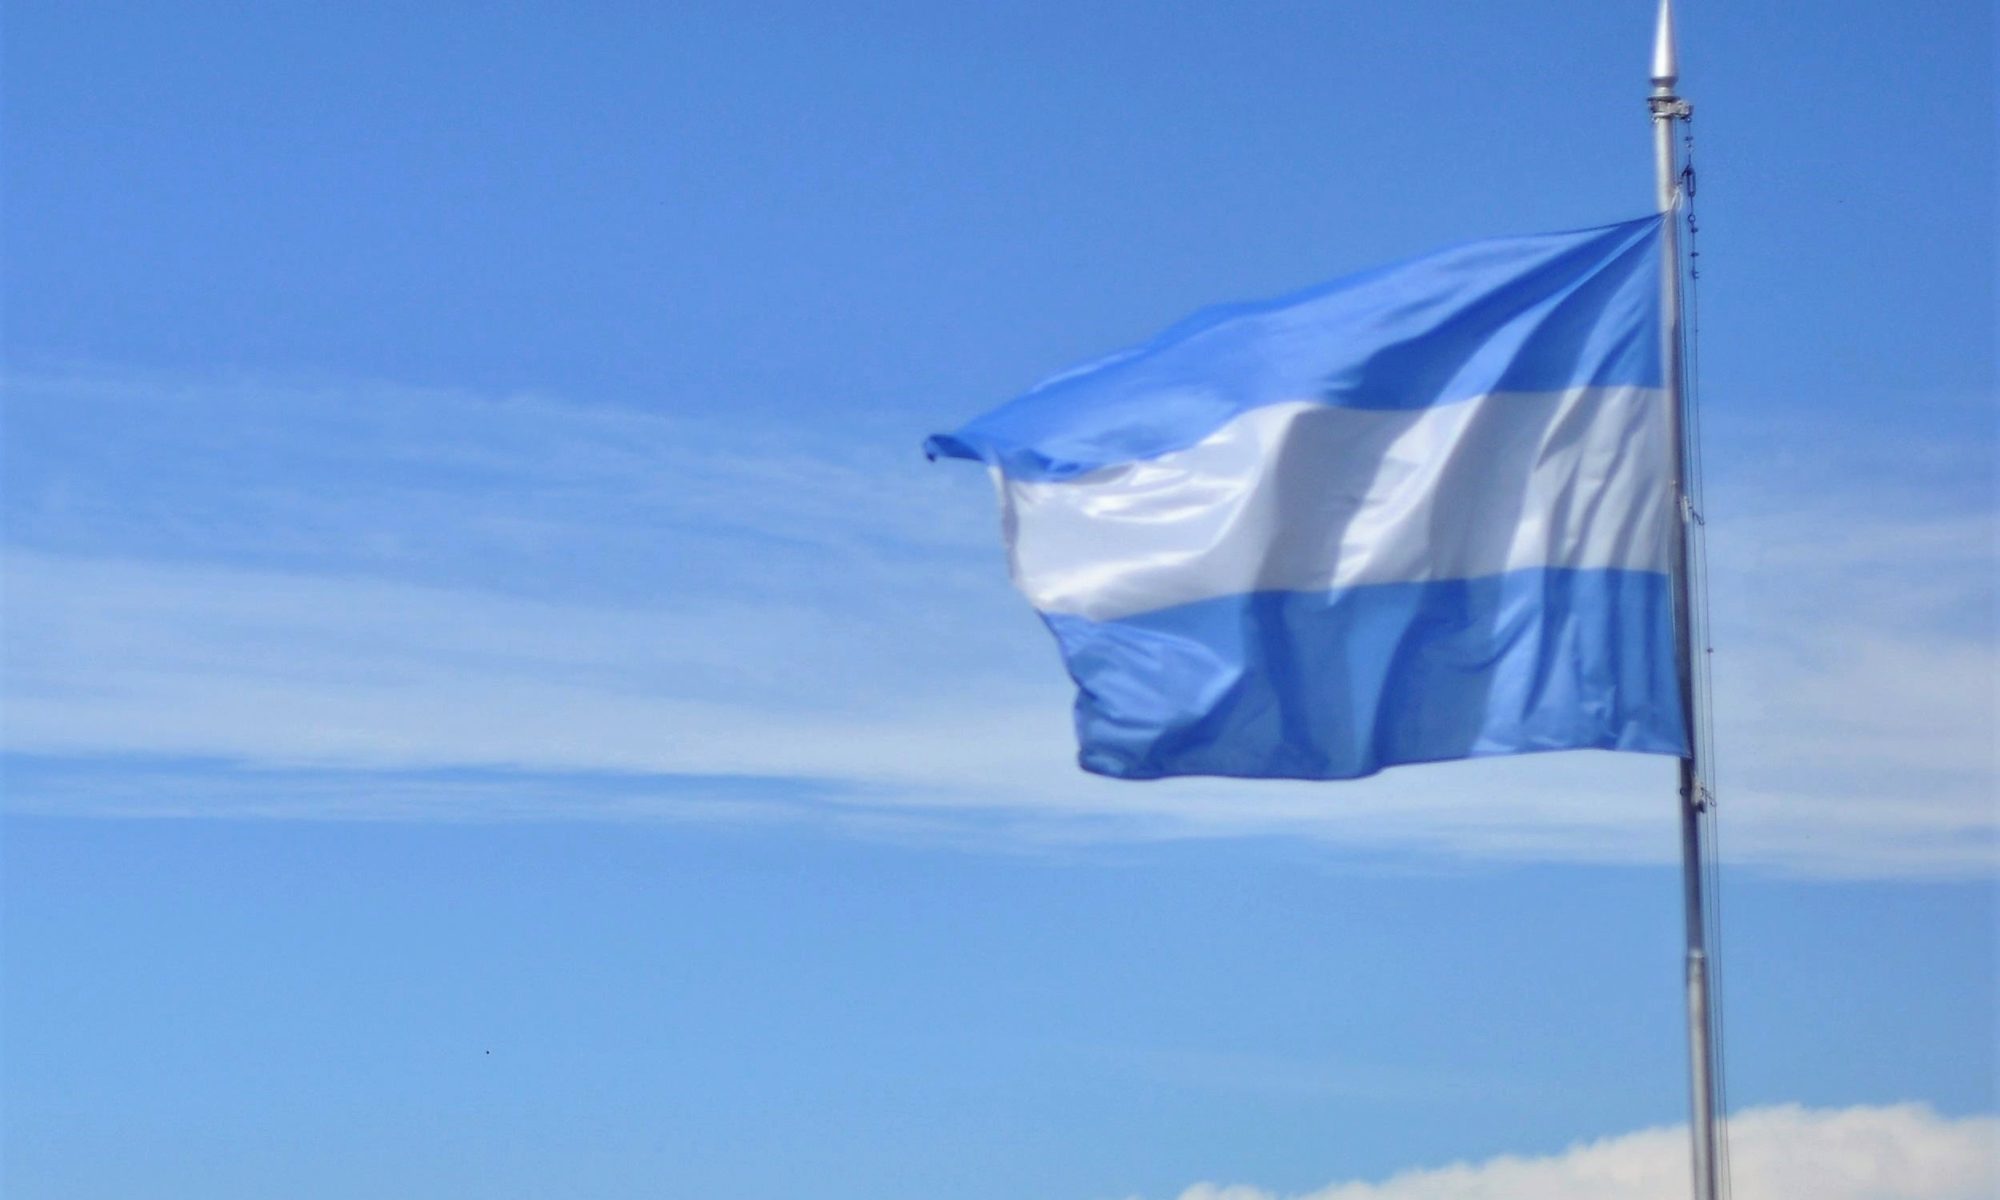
<point x="1308" y="497"/>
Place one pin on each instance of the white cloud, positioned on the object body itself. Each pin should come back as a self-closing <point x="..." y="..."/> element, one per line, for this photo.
<point x="1900" y="1152"/>
<point x="370" y="582"/>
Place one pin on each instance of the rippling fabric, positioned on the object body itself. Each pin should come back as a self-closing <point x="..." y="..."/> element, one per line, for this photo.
<point x="1418" y="514"/>
<point x="1339" y="684"/>
<point x="1304" y="497"/>
<point x="1530" y="314"/>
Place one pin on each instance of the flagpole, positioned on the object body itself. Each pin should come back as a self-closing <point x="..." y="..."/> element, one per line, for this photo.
<point x="1667" y="107"/>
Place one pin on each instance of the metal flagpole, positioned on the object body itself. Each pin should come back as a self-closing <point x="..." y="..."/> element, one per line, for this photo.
<point x="1667" y="107"/>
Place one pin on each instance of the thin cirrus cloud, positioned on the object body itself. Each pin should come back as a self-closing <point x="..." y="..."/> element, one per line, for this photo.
<point x="1892" y="1152"/>
<point x="374" y="601"/>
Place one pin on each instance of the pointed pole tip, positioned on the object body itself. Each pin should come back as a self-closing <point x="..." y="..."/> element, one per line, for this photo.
<point x="1666" y="58"/>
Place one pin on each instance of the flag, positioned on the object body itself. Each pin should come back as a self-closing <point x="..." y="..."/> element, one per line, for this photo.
<point x="1419" y="513"/>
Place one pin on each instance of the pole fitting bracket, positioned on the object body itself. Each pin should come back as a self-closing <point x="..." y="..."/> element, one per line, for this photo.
<point x="1666" y="108"/>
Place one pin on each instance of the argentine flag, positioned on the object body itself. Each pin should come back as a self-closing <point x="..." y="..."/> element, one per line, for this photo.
<point x="1420" y="513"/>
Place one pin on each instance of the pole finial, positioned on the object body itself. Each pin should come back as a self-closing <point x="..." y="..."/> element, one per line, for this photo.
<point x="1666" y="59"/>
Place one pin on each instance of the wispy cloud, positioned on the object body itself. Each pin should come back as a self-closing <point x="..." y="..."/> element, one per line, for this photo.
<point x="1899" y="1152"/>
<point x="373" y="601"/>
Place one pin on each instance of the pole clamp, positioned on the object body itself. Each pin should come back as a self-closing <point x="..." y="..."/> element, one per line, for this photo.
<point x="1669" y="107"/>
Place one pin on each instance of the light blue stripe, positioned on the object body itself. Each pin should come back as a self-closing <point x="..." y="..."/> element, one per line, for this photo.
<point x="1337" y="685"/>
<point x="1529" y="314"/>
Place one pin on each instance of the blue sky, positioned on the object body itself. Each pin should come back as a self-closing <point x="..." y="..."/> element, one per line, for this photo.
<point x="496" y="704"/>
